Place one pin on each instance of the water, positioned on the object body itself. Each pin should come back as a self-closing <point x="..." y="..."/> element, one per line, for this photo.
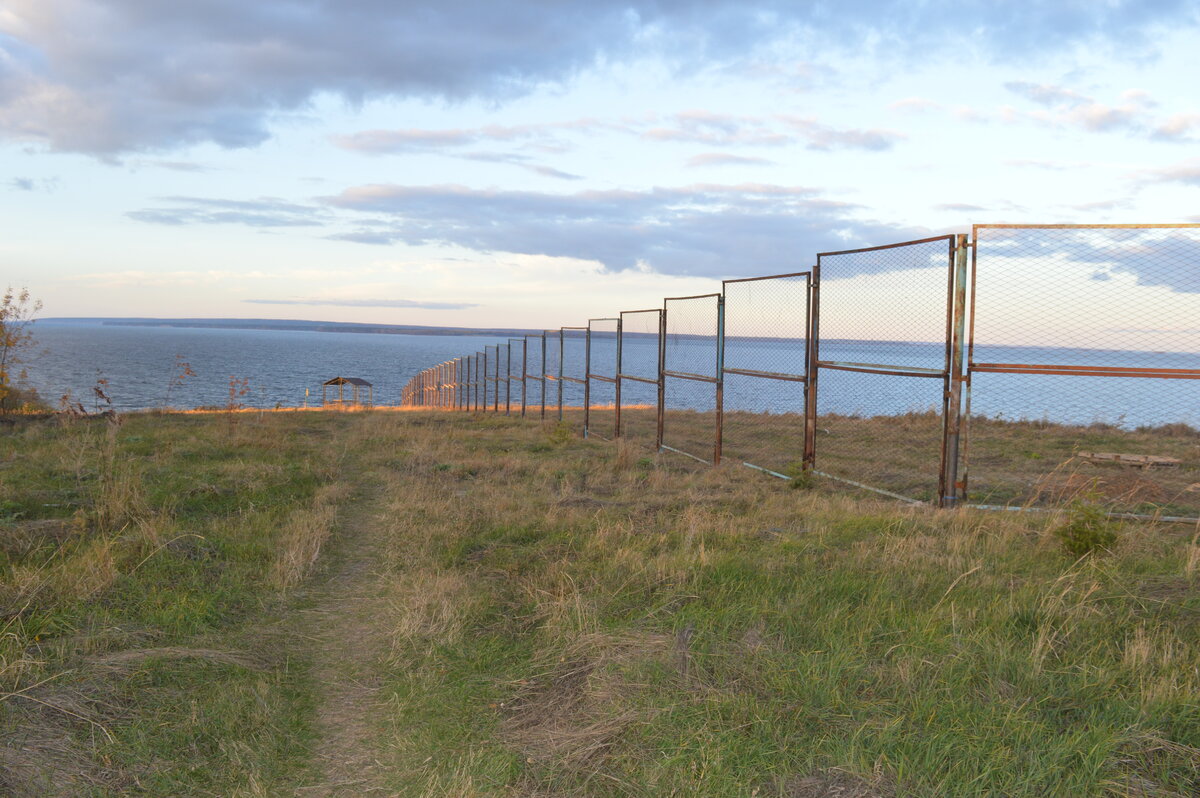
<point x="139" y="363"/>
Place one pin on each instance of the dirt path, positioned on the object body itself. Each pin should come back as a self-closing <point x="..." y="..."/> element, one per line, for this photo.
<point x="342" y="628"/>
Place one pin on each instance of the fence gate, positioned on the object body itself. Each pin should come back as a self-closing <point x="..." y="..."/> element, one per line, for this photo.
<point x="882" y="324"/>
<point x="639" y="376"/>
<point x="600" y="404"/>
<point x="533" y="377"/>
<point x="766" y="372"/>
<point x="692" y="373"/>
<point x="1109" y="412"/>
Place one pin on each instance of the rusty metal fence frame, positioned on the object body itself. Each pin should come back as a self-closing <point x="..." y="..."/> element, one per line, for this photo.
<point x="973" y="368"/>
<point x="471" y="383"/>
<point x="563" y="377"/>
<point x="716" y="380"/>
<point x="606" y="379"/>
<point x="535" y="369"/>
<point x="803" y="378"/>
<point x="955" y="282"/>
<point x="656" y="380"/>
<point x="553" y="373"/>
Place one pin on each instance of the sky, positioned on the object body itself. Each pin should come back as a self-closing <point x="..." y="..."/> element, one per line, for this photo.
<point x="535" y="164"/>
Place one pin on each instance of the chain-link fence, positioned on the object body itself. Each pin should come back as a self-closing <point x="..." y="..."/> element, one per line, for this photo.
<point x="692" y="376"/>
<point x="600" y="411"/>
<point x="766" y="372"/>
<point x="514" y="377"/>
<point x="639" y="375"/>
<point x="552" y="371"/>
<point x="881" y="361"/>
<point x="1083" y="358"/>
<point x="573" y="375"/>
<point x="1028" y="368"/>
<point x="533" y="376"/>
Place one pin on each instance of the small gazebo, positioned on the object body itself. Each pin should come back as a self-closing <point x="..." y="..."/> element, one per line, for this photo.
<point x="356" y="385"/>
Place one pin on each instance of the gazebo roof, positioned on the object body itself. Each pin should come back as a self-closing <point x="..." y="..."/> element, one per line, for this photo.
<point x="348" y="381"/>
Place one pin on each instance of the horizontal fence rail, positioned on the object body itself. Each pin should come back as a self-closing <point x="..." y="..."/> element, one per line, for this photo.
<point x="1021" y="367"/>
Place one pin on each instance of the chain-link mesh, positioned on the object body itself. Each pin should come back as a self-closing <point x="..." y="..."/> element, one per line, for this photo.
<point x="765" y="368"/>
<point x="641" y="335"/>
<point x="515" y="384"/>
<point x="691" y="358"/>
<point x="601" y="418"/>
<point x="477" y="382"/>
<point x="574" y="374"/>
<point x="882" y="365"/>
<point x="534" y="376"/>
<point x="493" y="387"/>
<point x="553" y="372"/>
<point x="1083" y="360"/>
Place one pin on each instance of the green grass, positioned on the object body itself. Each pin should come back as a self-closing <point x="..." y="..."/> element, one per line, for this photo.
<point x="133" y="559"/>
<point x="583" y="625"/>
<point x="574" y="618"/>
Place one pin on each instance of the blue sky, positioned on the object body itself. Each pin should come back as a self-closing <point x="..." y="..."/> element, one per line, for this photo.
<point x="536" y="164"/>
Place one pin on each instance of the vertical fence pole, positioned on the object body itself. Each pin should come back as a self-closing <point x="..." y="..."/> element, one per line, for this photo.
<point x="587" y="380"/>
<point x="950" y="490"/>
<point x="662" y="380"/>
<point x="542" y="375"/>
<point x="720" y="378"/>
<point x="485" y="377"/>
<point x="812" y="367"/>
<point x="620" y="336"/>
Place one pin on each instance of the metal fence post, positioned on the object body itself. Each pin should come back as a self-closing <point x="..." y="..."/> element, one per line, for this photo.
<point x="560" y="373"/>
<point x="950" y="491"/>
<point x="662" y="382"/>
<point x="587" y="379"/>
<point x="811" y="353"/>
<point x="524" y="374"/>
<point x="720" y="378"/>
<point x="542" y="375"/>
<point x="617" y="426"/>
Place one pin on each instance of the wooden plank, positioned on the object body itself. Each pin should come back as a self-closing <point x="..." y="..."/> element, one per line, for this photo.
<point x="1134" y="460"/>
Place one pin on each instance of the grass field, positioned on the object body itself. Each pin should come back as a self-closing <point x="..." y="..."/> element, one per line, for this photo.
<point x="517" y="612"/>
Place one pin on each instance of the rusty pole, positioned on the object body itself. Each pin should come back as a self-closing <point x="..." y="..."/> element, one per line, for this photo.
<point x="720" y="378"/>
<point x="811" y="367"/>
<point x="617" y="423"/>
<point x="662" y="380"/>
<point x="950" y="492"/>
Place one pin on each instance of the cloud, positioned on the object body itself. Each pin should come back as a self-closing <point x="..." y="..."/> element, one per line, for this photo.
<point x="1161" y="257"/>
<point x="915" y="105"/>
<point x="265" y="212"/>
<point x="715" y="129"/>
<point x="725" y="159"/>
<point x="1186" y="173"/>
<point x="176" y="166"/>
<point x="821" y="137"/>
<point x="367" y="303"/>
<point x="108" y="77"/>
<point x="961" y="207"/>
<point x="702" y="230"/>
<point x="33" y="184"/>
<point x="414" y="141"/>
<point x="1178" y="128"/>
<point x="1067" y="108"/>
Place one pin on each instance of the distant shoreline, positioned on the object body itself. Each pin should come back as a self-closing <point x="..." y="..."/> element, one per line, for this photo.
<point x="297" y="325"/>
